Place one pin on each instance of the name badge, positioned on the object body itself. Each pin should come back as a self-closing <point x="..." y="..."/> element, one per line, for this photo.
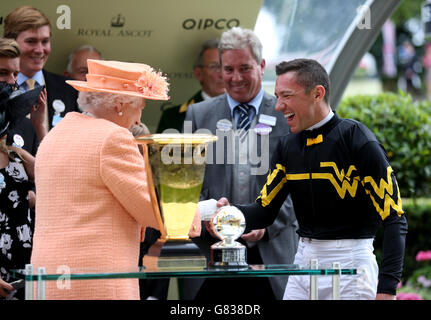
<point x="18" y="141"/>
<point x="224" y="125"/>
<point x="262" y="129"/>
<point x="58" y="106"/>
<point x="56" y="119"/>
<point x="269" y="120"/>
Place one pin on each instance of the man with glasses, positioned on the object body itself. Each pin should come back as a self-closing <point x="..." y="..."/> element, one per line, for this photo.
<point x="207" y="71"/>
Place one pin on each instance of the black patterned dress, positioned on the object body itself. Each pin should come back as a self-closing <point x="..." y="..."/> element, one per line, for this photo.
<point x="16" y="223"/>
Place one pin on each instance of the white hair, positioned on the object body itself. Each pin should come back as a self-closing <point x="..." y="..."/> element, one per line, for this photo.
<point x="90" y="101"/>
<point x="239" y="38"/>
<point x="85" y="47"/>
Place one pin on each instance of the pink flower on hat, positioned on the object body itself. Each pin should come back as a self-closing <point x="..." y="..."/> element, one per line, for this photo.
<point x="127" y="78"/>
<point x="423" y="255"/>
<point x="152" y="83"/>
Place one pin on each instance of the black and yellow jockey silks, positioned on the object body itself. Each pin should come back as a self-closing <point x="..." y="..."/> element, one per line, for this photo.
<point x="342" y="187"/>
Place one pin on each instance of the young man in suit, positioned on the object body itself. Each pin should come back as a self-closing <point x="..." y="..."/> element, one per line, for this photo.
<point x="207" y="71"/>
<point x="242" y="68"/>
<point x="32" y="30"/>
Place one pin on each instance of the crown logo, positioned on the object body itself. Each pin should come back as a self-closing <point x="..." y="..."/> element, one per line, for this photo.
<point x="118" y="21"/>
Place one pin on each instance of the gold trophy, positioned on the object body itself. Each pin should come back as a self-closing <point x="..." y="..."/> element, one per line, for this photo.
<point x="175" y="177"/>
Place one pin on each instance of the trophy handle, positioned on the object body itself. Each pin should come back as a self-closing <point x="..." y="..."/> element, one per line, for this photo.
<point x="153" y="196"/>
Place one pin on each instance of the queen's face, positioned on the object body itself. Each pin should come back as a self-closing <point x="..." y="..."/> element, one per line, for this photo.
<point x="130" y="113"/>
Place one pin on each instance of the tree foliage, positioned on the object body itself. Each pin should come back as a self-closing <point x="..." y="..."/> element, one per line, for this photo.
<point x="406" y="10"/>
<point x="403" y="127"/>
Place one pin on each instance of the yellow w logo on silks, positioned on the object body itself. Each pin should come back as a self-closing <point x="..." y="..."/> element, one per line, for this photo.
<point x="344" y="178"/>
<point x="265" y="197"/>
<point x="384" y="191"/>
<point x="341" y="189"/>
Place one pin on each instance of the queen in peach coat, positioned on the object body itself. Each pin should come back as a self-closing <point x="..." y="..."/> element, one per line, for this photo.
<point x="91" y="182"/>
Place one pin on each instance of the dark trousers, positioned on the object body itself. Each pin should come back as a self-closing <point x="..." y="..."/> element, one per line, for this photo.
<point x="157" y="288"/>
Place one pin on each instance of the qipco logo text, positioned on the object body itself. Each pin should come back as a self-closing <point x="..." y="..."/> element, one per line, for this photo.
<point x="202" y="24"/>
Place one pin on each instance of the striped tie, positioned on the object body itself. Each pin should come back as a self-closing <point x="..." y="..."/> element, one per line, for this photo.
<point x="243" y="123"/>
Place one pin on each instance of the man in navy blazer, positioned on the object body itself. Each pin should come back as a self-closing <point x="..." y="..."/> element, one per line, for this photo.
<point x="57" y="89"/>
<point x="240" y="160"/>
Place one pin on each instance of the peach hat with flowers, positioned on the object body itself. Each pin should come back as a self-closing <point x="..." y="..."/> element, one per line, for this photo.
<point x="135" y="79"/>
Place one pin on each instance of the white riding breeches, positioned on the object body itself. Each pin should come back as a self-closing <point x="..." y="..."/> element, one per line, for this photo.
<point x="350" y="253"/>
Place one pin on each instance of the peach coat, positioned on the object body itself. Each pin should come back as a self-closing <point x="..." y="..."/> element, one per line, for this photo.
<point x="92" y="199"/>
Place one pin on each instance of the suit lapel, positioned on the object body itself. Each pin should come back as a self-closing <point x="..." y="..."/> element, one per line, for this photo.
<point x="222" y="112"/>
<point x="267" y="107"/>
<point x="224" y="170"/>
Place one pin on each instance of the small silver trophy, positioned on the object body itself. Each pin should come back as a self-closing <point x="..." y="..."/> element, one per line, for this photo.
<point x="229" y="223"/>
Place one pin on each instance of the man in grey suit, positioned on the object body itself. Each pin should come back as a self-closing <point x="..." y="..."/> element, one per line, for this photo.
<point x="248" y="128"/>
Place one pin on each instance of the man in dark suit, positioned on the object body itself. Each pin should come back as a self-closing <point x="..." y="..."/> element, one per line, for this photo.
<point x="248" y="141"/>
<point x="207" y="71"/>
<point x="32" y="30"/>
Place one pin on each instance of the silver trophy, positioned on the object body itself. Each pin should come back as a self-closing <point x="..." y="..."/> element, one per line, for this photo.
<point x="229" y="223"/>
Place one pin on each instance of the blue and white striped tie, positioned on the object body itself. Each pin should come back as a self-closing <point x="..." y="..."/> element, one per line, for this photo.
<point x="243" y="122"/>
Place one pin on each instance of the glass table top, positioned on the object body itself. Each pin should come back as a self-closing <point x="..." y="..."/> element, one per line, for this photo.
<point x="146" y="272"/>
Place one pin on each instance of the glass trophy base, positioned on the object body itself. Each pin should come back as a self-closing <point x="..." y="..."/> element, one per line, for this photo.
<point x="186" y="263"/>
<point x="181" y="254"/>
<point x="228" y="256"/>
<point x="175" y="255"/>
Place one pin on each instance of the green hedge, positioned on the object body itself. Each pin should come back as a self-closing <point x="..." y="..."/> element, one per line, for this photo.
<point x="418" y="213"/>
<point x="403" y="126"/>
